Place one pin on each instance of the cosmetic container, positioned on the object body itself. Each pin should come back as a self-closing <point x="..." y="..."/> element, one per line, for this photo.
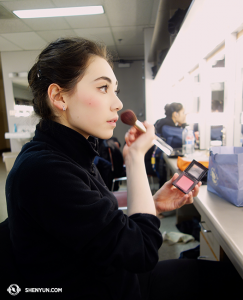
<point x="190" y="177"/>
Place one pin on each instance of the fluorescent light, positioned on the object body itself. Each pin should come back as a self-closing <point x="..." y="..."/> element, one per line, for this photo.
<point x="59" y="12"/>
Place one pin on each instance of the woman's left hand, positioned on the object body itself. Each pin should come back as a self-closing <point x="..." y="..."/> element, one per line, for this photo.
<point x="168" y="197"/>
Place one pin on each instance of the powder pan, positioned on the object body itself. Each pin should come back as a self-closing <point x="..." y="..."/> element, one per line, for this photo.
<point x="190" y="177"/>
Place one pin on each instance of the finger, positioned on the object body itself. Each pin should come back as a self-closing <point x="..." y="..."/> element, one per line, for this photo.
<point x="190" y="198"/>
<point x="150" y="128"/>
<point x="196" y="190"/>
<point x="169" y="182"/>
<point x="133" y="130"/>
<point x="127" y="139"/>
<point x="183" y="201"/>
<point x="148" y="125"/>
<point x="130" y="136"/>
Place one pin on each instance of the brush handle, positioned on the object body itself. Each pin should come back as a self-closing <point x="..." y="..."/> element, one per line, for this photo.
<point x="167" y="149"/>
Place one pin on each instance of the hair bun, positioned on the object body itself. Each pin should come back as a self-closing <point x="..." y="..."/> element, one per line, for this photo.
<point x="173" y="107"/>
<point x="167" y="109"/>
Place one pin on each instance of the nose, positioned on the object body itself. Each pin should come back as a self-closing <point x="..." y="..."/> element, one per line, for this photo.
<point x="117" y="104"/>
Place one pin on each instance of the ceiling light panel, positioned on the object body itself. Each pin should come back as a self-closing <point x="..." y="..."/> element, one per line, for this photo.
<point x="59" y="12"/>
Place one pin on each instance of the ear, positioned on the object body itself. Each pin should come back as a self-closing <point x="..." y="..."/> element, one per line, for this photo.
<point x="174" y="114"/>
<point x="56" y="96"/>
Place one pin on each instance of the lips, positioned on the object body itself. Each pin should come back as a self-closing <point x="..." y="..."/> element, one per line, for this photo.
<point x="113" y="120"/>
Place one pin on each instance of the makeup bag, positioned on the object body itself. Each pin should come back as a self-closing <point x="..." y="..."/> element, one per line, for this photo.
<point x="183" y="163"/>
<point x="225" y="174"/>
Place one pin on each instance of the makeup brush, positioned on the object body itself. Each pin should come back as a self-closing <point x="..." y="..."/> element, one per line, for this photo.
<point x="128" y="117"/>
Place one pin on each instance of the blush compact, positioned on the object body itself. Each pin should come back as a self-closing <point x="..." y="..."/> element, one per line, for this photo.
<point x="190" y="177"/>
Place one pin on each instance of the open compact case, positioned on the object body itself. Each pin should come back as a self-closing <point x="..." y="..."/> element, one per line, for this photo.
<point x="190" y="177"/>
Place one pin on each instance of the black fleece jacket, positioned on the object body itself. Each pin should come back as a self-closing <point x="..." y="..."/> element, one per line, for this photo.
<point x="66" y="229"/>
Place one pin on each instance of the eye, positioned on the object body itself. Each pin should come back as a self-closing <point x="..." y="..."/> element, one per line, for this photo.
<point x="103" y="88"/>
<point x="117" y="91"/>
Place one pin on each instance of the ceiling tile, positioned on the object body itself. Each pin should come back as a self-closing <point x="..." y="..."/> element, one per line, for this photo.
<point x="13" y="25"/>
<point x="130" y="35"/>
<point x="127" y="12"/>
<point x="99" y="34"/>
<point x="88" y="21"/>
<point x="27" y="4"/>
<point x="131" y="52"/>
<point x="47" y="23"/>
<point x="52" y="35"/>
<point x="123" y="19"/>
<point x="26" y="40"/>
<point x="5" y="45"/>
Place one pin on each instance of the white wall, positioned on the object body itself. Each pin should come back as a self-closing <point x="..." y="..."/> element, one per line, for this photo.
<point x="150" y="95"/>
<point x="208" y="25"/>
<point x="131" y="83"/>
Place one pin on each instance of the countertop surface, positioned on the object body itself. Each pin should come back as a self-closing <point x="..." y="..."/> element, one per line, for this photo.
<point x="226" y="220"/>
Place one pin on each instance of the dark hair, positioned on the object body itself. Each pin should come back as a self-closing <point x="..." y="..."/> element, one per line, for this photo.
<point x="173" y="107"/>
<point x="63" y="62"/>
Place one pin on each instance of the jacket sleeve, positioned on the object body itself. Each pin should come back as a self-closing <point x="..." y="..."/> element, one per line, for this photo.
<point x="59" y="198"/>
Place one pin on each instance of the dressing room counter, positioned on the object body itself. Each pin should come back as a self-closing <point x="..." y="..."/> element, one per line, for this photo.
<point x="223" y="220"/>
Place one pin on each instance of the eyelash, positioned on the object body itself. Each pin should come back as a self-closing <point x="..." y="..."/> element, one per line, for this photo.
<point x="106" y="87"/>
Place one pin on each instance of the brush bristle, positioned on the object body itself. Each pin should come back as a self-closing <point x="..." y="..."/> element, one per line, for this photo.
<point x="128" y="117"/>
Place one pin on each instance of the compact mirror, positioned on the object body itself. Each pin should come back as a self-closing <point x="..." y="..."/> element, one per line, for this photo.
<point x="190" y="177"/>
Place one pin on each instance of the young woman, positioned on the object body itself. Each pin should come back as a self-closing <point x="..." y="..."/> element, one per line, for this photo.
<point x="66" y="229"/>
<point x="175" y="116"/>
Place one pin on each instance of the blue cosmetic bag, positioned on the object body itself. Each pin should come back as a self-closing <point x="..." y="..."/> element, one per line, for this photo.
<point x="225" y="173"/>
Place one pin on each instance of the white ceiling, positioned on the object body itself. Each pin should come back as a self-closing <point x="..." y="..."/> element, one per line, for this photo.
<point x="123" y="20"/>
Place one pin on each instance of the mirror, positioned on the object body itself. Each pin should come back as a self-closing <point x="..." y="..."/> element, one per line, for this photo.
<point x="217" y="133"/>
<point x="23" y="105"/>
<point x="217" y="97"/>
<point x="220" y="63"/>
<point x="21" y="90"/>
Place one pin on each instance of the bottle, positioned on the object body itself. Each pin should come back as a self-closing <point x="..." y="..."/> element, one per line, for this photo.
<point x="15" y="127"/>
<point x="223" y="136"/>
<point x="188" y="141"/>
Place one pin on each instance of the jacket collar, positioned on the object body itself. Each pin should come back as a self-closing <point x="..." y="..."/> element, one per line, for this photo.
<point x="67" y="141"/>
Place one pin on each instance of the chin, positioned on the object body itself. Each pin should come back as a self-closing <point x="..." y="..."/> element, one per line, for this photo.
<point x="105" y="135"/>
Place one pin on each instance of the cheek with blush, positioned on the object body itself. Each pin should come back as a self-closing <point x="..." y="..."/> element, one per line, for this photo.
<point x="92" y="102"/>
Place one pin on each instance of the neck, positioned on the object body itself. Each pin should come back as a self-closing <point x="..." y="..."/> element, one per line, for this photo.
<point x="64" y="122"/>
<point x="173" y="119"/>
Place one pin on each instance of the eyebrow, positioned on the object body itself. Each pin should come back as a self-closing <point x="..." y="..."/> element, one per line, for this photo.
<point x="105" y="78"/>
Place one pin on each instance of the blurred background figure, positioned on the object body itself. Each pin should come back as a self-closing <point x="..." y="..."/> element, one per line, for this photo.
<point x="170" y="129"/>
<point x="110" y="162"/>
<point x="217" y="106"/>
<point x="175" y="117"/>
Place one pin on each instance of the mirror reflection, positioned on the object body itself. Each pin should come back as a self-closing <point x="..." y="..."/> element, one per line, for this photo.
<point x="21" y="90"/>
<point x="217" y="97"/>
<point x="217" y="133"/>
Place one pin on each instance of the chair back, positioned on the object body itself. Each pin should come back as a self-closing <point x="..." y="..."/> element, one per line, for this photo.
<point x="172" y="135"/>
<point x="121" y="197"/>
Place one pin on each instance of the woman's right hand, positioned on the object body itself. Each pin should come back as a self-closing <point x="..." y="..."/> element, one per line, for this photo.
<point x="138" y="142"/>
<point x="139" y="196"/>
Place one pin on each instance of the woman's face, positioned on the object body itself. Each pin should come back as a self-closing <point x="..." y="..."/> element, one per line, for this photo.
<point x="181" y="117"/>
<point x="92" y="107"/>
